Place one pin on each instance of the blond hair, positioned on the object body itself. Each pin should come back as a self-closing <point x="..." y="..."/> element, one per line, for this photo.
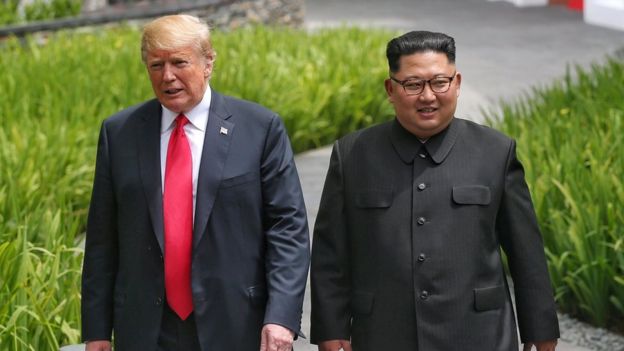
<point x="176" y="31"/>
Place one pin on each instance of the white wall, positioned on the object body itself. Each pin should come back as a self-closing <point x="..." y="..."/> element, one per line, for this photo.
<point x="607" y="13"/>
<point x="524" y="3"/>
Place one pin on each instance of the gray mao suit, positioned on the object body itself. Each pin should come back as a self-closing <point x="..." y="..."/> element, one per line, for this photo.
<point x="406" y="252"/>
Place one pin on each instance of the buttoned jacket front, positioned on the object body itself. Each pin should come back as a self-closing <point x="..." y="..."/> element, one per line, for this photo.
<point x="406" y="252"/>
<point x="250" y="250"/>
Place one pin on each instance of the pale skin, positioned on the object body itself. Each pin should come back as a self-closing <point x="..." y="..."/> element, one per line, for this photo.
<point x="428" y="113"/>
<point x="276" y="338"/>
<point x="425" y="115"/>
<point x="179" y="79"/>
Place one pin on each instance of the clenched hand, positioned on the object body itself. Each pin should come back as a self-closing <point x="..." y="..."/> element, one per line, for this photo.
<point x="274" y="337"/>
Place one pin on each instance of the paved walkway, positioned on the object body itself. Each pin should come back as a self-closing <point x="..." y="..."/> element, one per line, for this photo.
<point x="502" y="51"/>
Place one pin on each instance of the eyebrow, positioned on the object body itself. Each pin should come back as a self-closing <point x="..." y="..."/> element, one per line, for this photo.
<point x="434" y="76"/>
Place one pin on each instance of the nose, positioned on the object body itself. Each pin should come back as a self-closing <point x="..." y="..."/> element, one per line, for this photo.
<point x="427" y="94"/>
<point x="168" y="74"/>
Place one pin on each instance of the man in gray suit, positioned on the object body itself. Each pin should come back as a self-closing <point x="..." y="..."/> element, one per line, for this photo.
<point x="197" y="236"/>
<point x="406" y="250"/>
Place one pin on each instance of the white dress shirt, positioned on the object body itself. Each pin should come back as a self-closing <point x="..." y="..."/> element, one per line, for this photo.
<point x="195" y="132"/>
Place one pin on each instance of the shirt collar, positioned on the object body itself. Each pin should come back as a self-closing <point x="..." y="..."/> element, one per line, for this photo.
<point x="197" y="116"/>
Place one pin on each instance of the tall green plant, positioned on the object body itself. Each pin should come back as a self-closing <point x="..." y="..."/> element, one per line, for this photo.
<point x="323" y="84"/>
<point x="57" y="90"/>
<point x="571" y="141"/>
<point x="8" y="12"/>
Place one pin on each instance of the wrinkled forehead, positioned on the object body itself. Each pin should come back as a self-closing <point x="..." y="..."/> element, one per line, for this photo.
<point x="183" y="52"/>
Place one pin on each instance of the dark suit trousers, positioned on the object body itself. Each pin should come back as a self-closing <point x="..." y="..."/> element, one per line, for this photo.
<point x="176" y="334"/>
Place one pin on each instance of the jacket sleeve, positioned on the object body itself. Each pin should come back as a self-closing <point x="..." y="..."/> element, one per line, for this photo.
<point x="286" y="230"/>
<point x="522" y="242"/>
<point x="330" y="277"/>
<point x="100" y="259"/>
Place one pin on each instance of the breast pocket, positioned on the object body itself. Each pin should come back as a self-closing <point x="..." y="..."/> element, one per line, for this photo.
<point x="238" y="180"/>
<point x="471" y="195"/>
<point x="373" y="199"/>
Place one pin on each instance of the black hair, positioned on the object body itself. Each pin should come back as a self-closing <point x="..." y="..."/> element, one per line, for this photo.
<point x="419" y="41"/>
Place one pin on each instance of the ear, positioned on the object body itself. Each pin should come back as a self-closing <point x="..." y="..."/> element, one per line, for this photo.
<point x="389" y="88"/>
<point x="458" y="79"/>
<point x="208" y="65"/>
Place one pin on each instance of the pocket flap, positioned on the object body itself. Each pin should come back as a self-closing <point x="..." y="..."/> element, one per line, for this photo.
<point x="471" y="195"/>
<point x="489" y="298"/>
<point x="362" y="302"/>
<point x="237" y="180"/>
<point x="373" y="199"/>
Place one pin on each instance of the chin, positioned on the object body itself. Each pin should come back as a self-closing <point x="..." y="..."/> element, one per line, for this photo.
<point x="177" y="108"/>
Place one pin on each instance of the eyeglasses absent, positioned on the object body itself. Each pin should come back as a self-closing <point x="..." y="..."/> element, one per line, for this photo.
<point x="414" y="86"/>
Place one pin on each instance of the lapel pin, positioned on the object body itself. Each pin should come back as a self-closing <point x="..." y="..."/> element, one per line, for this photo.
<point x="223" y="131"/>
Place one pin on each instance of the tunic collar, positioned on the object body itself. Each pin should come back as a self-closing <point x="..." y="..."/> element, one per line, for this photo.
<point x="438" y="146"/>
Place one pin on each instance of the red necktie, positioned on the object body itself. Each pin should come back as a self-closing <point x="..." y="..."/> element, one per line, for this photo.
<point x="178" y="212"/>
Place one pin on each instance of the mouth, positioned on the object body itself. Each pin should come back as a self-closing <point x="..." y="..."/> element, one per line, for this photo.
<point x="172" y="91"/>
<point x="427" y="109"/>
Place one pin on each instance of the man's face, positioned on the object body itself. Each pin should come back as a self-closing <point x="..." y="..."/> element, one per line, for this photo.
<point x="427" y="113"/>
<point x="179" y="77"/>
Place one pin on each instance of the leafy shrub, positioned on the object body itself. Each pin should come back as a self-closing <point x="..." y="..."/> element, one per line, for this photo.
<point x="571" y="142"/>
<point x="41" y="10"/>
<point x="323" y="84"/>
<point x="8" y="12"/>
<point x="54" y="97"/>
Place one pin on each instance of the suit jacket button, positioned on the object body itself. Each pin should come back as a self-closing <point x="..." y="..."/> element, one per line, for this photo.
<point x="159" y="301"/>
<point x="424" y="295"/>
<point x="422" y="186"/>
<point x="422" y="257"/>
<point x="420" y="220"/>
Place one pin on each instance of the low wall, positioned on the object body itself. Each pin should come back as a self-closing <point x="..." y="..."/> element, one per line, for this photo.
<point x="223" y="14"/>
<point x="270" y="12"/>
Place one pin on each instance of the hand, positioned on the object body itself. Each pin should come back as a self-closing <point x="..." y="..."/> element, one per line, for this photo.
<point x="99" y="345"/>
<point x="274" y="337"/>
<point x="334" y="345"/>
<point x="548" y="345"/>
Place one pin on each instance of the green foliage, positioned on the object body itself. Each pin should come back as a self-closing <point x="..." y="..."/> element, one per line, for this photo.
<point x="8" y="12"/>
<point x="571" y="141"/>
<point x="41" y="10"/>
<point x="323" y="84"/>
<point x="56" y="92"/>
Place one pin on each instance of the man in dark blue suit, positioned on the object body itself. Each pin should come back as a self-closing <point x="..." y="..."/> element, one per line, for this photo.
<point x="197" y="236"/>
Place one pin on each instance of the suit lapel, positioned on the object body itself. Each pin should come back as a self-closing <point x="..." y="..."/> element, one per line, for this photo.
<point x="149" y="165"/>
<point x="219" y="133"/>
